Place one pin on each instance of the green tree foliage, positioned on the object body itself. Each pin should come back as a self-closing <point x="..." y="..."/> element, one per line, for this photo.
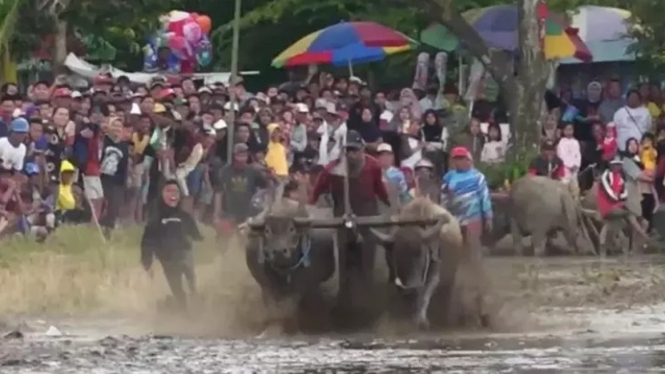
<point x="285" y="21"/>
<point x="113" y="24"/>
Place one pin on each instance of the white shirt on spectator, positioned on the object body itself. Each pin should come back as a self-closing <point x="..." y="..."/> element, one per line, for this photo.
<point x="493" y="151"/>
<point x="339" y="136"/>
<point x="324" y="131"/>
<point x="569" y="152"/>
<point x="12" y="157"/>
<point x="631" y="123"/>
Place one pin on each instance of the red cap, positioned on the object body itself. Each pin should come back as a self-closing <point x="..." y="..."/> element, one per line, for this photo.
<point x="103" y="79"/>
<point x="460" y="152"/>
<point x="166" y="93"/>
<point x="62" y="92"/>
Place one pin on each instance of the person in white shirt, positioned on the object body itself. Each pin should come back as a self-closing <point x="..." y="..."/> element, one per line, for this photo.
<point x="569" y="152"/>
<point x="333" y="132"/>
<point x="12" y="149"/>
<point x="431" y="101"/>
<point x="494" y="150"/>
<point x="631" y="120"/>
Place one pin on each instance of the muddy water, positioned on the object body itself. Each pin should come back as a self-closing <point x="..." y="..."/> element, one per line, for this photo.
<point x="568" y="315"/>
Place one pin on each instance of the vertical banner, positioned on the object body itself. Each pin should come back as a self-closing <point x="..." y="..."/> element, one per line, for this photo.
<point x="440" y="68"/>
<point x="475" y="77"/>
<point x="422" y="65"/>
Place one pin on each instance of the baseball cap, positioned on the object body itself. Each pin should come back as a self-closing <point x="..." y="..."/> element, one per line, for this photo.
<point x="159" y="108"/>
<point x="227" y="106"/>
<point x="354" y="140"/>
<point x="424" y="163"/>
<point x="62" y="92"/>
<point x="76" y="95"/>
<point x="240" y="147"/>
<point x="220" y="125"/>
<point x="205" y="89"/>
<point x="384" y="147"/>
<point x="302" y="108"/>
<point x="331" y="109"/>
<point x="31" y="168"/>
<point x="209" y="131"/>
<point x="460" y="152"/>
<point x="20" y="125"/>
<point x="163" y="94"/>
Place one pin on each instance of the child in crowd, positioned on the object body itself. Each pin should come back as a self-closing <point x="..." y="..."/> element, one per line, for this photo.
<point x="547" y="164"/>
<point x="494" y="150"/>
<point x="568" y="150"/>
<point x="610" y="146"/>
<point x="648" y="153"/>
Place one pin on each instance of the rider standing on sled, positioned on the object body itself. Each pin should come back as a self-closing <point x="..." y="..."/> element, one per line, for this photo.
<point x="365" y="188"/>
<point x="167" y="237"/>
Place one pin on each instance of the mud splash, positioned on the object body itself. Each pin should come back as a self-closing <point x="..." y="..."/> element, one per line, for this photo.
<point x="565" y="315"/>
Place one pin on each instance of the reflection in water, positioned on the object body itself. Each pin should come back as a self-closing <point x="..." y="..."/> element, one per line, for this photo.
<point x="500" y="355"/>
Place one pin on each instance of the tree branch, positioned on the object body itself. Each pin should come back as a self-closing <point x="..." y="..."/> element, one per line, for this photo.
<point x="496" y="61"/>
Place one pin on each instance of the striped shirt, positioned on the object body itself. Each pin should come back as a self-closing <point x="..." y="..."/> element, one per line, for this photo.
<point x="466" y="195"/>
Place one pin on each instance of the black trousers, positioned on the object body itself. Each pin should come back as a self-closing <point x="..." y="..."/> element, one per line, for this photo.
<point x="648" y="205"/>
<point x="174" y="270"/>
<point x="114" y="195"/>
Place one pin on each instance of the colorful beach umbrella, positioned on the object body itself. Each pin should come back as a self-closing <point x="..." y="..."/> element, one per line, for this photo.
<point x="498" y="26"/>
<point x="346" y="43"/>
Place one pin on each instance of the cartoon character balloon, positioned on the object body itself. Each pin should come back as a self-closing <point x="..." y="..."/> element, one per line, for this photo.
<point x="186" y="35"/>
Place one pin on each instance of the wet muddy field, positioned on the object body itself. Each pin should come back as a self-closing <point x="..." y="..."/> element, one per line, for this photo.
<point x="569" y="315"/>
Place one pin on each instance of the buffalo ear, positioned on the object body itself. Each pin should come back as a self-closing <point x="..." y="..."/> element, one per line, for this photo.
<point x="381" y="237"/>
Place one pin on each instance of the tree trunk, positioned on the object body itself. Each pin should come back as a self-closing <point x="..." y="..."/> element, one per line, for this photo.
<point x="532" y="73"/>
<point x="60" y="48"/>
<point x="523" y="93"/>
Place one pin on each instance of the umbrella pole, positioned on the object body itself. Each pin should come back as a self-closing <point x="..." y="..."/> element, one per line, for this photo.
<point x="232" y="81"/>
<point x="350" y="69"/>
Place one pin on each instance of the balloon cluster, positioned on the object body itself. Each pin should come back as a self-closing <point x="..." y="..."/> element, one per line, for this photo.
<point x="186" y="37"/>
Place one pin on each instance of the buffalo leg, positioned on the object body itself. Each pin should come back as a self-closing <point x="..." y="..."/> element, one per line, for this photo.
<point x="539" y="239"/>
<point x="517" y="237"/>
<point x="388" y="248"/>
<point x="425" y="296"/>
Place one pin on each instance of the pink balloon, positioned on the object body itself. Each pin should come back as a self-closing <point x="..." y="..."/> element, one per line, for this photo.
<point x="176" y="43"/>
<point x="191" y="31"/>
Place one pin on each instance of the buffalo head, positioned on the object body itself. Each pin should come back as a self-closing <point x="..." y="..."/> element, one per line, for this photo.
<point x="413" y="249"/>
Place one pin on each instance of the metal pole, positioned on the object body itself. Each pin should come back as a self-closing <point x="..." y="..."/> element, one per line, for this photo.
<point x="232" y="81"/>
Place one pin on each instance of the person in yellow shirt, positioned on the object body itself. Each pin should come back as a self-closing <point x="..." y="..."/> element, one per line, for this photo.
<point x="276" y="154"/>
<point x="648" y="153"/>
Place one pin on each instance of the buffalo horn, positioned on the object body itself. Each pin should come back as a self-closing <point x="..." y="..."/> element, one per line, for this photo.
<point x="255" y="223"/>
<point x="432" y="231"/>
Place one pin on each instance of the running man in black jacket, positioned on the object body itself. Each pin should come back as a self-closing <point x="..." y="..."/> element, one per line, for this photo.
<point x="167" y="237"/>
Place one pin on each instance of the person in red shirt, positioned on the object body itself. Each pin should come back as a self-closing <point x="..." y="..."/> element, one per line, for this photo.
<point x="366" y="187"/>
<point x="547" y="164"/>
<point x="365" y="180"/>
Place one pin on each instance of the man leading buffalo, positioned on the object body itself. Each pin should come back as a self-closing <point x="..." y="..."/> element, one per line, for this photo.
<point x="366" y="187"/>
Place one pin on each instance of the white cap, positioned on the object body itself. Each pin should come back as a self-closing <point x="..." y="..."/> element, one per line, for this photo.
<point x="227" y="106"/>
<point x="331" y="109"/>
<point x="76" y="95"/>
<point x="321" y="103"/>
<point x="357" y="80"/>
<point x="302" y="108"/>
<point x="17" y="112"/>
<point x="384" y="147"/>
<point x="220" y="125"/>
<point x="205" y="89"/>
<point x="209" y="131"/>
<point x="135" y="109"/>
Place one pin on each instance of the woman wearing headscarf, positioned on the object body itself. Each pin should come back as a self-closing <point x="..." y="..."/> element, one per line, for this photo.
<point x="409" y="99"/>
<point x="435" y="136"/>
<point x="367" y="126"/>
